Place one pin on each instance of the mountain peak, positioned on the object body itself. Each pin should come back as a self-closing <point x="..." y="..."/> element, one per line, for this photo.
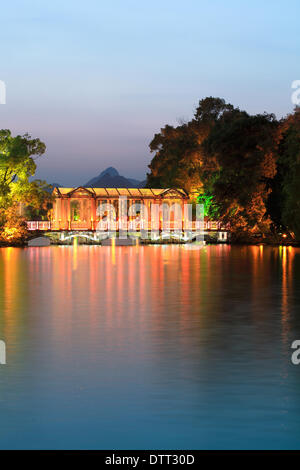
<point x="111" y="171"/>
<point x="110" y="178"/>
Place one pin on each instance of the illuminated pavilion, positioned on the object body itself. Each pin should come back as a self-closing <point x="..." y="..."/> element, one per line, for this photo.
<point x="80" y="208"/>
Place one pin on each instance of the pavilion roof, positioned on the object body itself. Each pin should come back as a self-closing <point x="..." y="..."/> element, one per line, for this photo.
<point x="117" y="192"/>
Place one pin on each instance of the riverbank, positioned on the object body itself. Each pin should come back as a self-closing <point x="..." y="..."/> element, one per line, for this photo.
<point x="85" y="242"/>
<point x="96" y="238"/>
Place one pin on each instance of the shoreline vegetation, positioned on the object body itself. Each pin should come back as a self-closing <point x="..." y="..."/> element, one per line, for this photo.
<point x="244" y="169"/>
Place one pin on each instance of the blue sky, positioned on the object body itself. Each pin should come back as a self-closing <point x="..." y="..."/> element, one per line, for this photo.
<point x="95" y="80"/>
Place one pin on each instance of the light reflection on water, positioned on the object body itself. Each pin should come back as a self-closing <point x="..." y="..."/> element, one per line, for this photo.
<point x="149" y="347"/>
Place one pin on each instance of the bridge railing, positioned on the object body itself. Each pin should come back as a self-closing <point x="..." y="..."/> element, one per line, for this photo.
<point x="211" y="225"/>
<point x="38" y="225"/>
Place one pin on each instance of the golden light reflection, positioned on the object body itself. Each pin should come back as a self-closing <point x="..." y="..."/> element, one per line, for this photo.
<point x="136" y="289"/>
<point x="286" y="255"/>
<point x="113" y="250"/>
<point x="256" y="256"/>
<point x="75" y="253"/>
<point x="14" y="295"/>
<point x="261" y="250"/>
<point x="10" y="258"/>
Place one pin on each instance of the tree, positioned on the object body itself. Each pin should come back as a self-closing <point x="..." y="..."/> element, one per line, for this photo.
<point x="13" y="229"/>
<point x="239" y="162"/>
<point x="289" y="173"/>
<point x="39" y="203"/>
<point x="178" y="153"/>
<point x="225" y="159"/>
<point x="17" y="166"/>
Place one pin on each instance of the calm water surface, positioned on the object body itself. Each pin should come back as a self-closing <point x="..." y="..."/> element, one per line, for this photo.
<point x="149" y="347"/>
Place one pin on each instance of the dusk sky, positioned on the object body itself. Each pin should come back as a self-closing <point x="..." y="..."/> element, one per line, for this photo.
<point x="95" y="80"/>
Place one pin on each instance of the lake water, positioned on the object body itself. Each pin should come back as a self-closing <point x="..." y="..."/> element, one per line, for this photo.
<point x="149" y="347"/>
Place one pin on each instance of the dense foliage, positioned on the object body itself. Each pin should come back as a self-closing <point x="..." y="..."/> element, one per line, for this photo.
<point x="243" y="168"/>
<point x="289" y="173"/>
<point x="18" y="194"/>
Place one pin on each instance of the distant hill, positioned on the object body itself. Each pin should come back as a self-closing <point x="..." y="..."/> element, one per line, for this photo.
<point x="110" y="178"/>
